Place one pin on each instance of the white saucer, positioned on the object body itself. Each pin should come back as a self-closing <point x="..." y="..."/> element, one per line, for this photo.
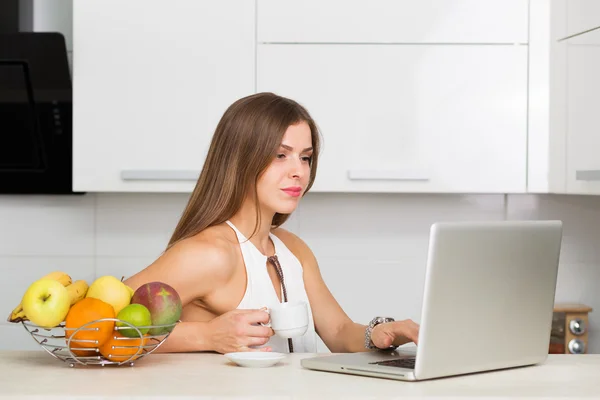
<point x="255" y="359"/>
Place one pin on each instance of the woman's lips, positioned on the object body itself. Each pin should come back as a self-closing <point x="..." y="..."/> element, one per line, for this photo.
<point x="294" y="191"/>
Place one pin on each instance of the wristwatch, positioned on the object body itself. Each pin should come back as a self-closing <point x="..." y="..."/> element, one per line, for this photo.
<point x="374" y="322"/>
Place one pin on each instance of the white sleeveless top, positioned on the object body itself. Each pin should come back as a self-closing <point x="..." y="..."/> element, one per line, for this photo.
<point x="261" y="293"/>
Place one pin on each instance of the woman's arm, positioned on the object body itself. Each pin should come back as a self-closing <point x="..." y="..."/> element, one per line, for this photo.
<point x="187" y="337"/>
<point x="195" y="268"/>
<point x="231" y="332"/>
<point x="339" y="333"/>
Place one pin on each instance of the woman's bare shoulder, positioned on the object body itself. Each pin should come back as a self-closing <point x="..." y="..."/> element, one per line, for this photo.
<point x="296" y="245"/>
<point x="212" y="250"/>
<point x="194" y="264"/>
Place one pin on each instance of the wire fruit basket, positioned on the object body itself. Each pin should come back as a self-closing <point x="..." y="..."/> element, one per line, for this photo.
<point x="58" y="344"/>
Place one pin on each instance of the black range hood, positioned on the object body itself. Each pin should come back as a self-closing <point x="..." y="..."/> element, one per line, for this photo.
<point x="36" y="134"/>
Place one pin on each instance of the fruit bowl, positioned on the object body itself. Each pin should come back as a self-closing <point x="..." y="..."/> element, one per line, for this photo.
<point x="62" y="343"/>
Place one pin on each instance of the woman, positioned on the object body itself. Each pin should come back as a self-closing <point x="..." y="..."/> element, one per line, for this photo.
<point x="262" y="160"/>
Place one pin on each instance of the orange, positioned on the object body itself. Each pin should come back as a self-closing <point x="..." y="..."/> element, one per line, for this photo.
<point x="85" y="311"/>
<point x="120" y="348"/>
<point x="83" y="353"/>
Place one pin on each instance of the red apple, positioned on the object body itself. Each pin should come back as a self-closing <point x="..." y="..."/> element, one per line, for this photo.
<point x="162" y="301"/>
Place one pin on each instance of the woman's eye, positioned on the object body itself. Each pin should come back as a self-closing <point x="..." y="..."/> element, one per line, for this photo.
<point x="280" y="155"/>
<point x="306" y="159"/>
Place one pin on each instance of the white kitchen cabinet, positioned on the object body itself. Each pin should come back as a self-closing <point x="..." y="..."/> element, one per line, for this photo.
<point x="583" y="116"/>
<point x="392" y="21"/>
<point x="411" y="95"/>
<point x="572" y="160"/>
<point x="582" y="16"/>
<point x="409" y="118"/>
<point x="152" y="78"/>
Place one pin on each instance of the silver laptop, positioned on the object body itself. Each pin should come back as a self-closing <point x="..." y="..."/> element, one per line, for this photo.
<point x="487" y="305"/>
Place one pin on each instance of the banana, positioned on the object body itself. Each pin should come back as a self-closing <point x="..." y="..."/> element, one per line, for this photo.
<point x="77" y="291"/>
<point x="18" y="315"/>
<point x="62" y="277"/>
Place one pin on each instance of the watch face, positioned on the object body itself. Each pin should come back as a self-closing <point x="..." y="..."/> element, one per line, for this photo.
<point x="380" y="320"/>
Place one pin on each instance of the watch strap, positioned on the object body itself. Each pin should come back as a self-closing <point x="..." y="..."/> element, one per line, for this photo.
<point x="374" y="322"/>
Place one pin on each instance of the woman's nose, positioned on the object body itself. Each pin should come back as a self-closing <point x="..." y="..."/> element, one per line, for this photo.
<point x="296" y="169"/>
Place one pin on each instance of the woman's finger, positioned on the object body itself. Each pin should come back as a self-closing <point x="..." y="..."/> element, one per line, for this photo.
<point x="407" y="330"/>
<point x="256" y="341"/>
<point x="260" y="331"/>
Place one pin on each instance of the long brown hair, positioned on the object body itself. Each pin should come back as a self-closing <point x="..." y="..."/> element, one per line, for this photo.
<point x="244" y="143"/>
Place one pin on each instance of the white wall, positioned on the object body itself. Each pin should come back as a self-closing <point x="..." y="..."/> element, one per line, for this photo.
<point x="55" y="16"/>
<point x="371" y="248"/>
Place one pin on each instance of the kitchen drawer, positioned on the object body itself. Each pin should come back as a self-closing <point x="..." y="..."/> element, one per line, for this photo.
<point x="409" y="118"/>
<point x="392" y="21"/>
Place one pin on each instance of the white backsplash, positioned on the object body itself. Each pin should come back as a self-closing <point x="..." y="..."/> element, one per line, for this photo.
<point x="371" y="248"/>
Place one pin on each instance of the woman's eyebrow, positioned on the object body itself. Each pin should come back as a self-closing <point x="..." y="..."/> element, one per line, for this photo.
<point x="290" y="148"/>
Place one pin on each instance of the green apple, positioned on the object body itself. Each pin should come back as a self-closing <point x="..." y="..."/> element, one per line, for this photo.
<point x="46" y="303"/>
<point x="137" y="315"/>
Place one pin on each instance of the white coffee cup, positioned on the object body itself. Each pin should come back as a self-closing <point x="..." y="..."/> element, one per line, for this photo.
<point x="289" y="320"/>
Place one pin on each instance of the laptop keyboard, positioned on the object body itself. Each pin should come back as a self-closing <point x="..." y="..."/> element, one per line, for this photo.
<point x="408" y="362"/>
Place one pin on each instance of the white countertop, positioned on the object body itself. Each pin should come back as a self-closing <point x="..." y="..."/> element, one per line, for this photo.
<point x="195" y="375"/>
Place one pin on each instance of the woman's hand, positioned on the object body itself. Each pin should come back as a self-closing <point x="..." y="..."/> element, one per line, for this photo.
<point x="397" y="333"/>
<point x="239" y="330"/>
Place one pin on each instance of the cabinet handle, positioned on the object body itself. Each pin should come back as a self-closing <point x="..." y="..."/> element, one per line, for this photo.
<point x="588" y="175"/>
<point x="386" y="175"/>
<point x="158" y="175"/>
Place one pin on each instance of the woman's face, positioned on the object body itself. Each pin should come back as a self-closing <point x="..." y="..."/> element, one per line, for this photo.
<point x="284" y="181"/>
